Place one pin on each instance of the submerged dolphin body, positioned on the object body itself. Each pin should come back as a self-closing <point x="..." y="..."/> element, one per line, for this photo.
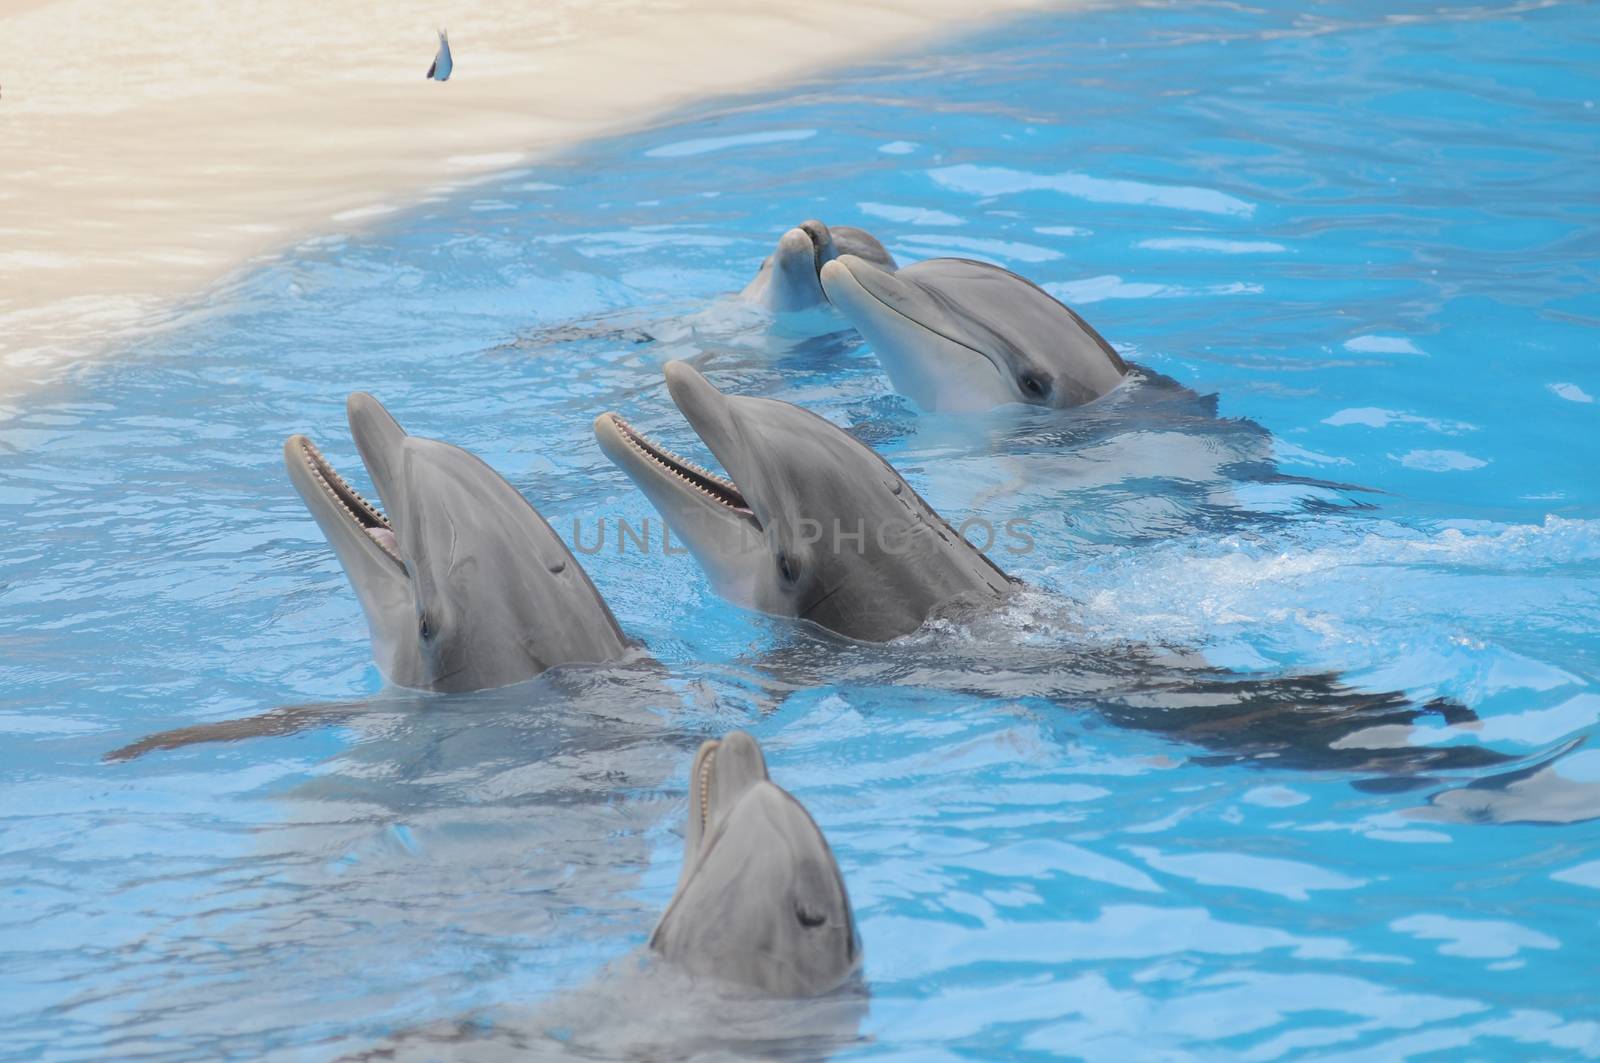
<point x="789" y="278"/>
<point x="954" y="334"/>
<point x="812" y="523"/>
<point x="463" y="584"/>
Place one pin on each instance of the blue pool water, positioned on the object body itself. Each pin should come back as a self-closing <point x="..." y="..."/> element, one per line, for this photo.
<point x="1368" y="230"/>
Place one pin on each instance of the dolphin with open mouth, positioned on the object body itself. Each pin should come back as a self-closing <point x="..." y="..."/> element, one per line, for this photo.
<point x="958" y="335"/>
<point x="789" y="278"/>
<point x="464" y="585"/>
<point x="809" y="522"/>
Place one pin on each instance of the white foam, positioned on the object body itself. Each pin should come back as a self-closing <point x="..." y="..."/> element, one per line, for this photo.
<point x="1343" y="602"/>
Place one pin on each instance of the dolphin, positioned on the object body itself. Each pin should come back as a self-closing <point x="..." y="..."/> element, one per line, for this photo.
<point x="756" y="955"/>
<point x="812" y="523"/>
<point x="788" y="280"/>
<point x="760" y="902"/>
<point x="953" y="334"/>
<point x="464" y="585"/>
<point x="440" y="70"/>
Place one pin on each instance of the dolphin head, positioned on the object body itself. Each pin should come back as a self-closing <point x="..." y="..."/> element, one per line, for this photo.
<point x="789" y="280"/>
<point x="760" y="901"/>
<point x="463" y="584"/>
<point x="953" y="334"/>
<point x="811" y="524"/>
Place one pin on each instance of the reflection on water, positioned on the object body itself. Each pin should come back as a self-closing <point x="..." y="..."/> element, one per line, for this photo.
<point x="1286" y="749"/>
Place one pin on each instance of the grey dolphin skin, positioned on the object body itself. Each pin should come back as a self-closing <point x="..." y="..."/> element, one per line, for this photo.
<point x="760" y="902"/>
<point x="788" y="280"/>
<point x="953" y="334"/>
<point x="464" y="585"/>
<point x="812" y="523"/>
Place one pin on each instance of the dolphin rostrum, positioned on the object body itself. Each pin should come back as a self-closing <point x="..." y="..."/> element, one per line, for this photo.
<point x="788" y="280"/>
<point x="954" y="334"/>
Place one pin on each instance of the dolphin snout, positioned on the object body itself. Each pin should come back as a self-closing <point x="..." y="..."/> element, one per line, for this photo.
<point x="817" y="231"/>
<point x="710" y="413"/>
<point x="686" y="385"/>
<point x="795" y="242"/>
<point x="859" y="268"/>
<point x="844" y="289"/>
<point x="821" y="241"/>
<point x="800" y="250"/>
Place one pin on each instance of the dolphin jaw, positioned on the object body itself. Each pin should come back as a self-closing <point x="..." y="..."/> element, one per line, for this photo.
<point x="906" y="346"/>
<point x="366" y="517"/>
<point x="821" y="242"/>
<point x="703" y="792"/>
<point x="929" y="326"/>
<point x="719" y="489"/>
<point x="703" y="782"/>
<point x="793" y="282"/>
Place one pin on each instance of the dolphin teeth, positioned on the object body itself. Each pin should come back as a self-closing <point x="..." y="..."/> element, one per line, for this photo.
<point x="719" y="489"/>
<point x="705" y="787"/>
<point x="370" y="518"/>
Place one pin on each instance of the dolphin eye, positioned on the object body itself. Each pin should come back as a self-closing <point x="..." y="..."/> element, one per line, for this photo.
<point x="788" y="568"/>
<point x="808" y="919"/>
<point x="1033" y="386"/>
<point x="424" y="629"/>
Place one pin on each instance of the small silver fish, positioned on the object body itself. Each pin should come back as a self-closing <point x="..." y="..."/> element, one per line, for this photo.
<point x="440" y="70"/>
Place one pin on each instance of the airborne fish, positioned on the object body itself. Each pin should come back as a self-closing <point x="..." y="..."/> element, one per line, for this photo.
<point x="440" y="70"/>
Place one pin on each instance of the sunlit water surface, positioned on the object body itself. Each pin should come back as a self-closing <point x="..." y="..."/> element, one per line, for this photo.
<point x="1370" y="235"/>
